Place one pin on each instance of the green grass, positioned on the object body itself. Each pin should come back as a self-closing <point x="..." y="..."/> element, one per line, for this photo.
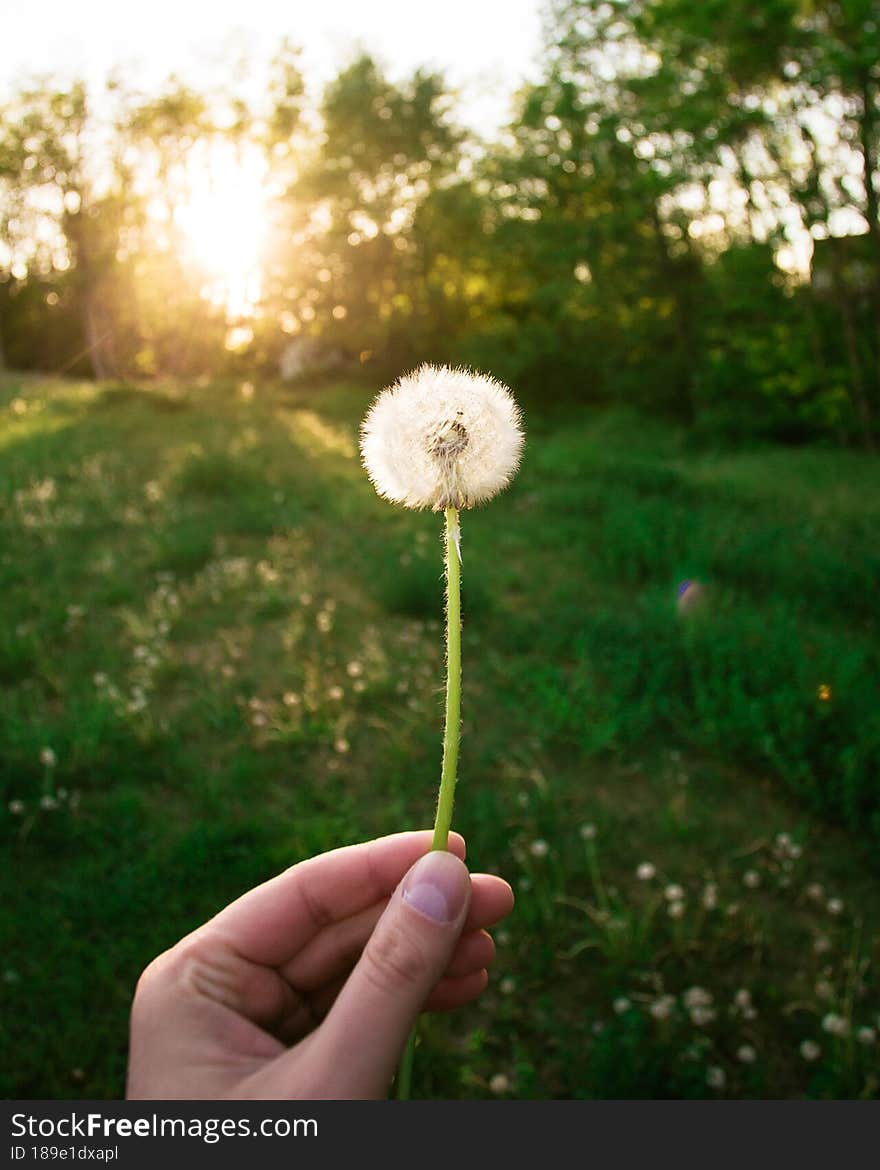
<point x="234" y="651"/>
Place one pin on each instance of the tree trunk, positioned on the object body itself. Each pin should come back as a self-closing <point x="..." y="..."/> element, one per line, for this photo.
<point x="97" y="337"/>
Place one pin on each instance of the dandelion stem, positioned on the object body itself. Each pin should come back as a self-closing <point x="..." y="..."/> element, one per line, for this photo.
<point x="451" y="736"/>
<point x="452" y="729"/>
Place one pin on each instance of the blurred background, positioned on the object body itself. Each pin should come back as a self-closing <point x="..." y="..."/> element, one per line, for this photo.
<point x="220" y="652"/>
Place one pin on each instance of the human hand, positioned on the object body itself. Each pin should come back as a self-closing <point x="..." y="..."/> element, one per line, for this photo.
<point x="308" y="986"/>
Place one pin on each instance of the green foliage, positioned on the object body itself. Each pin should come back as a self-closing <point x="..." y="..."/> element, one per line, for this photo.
<point x="638" y="235"/>
<point x="233" y="651"/>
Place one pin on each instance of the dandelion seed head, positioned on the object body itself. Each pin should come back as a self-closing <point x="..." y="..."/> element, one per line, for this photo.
<point x="442" y="438"/>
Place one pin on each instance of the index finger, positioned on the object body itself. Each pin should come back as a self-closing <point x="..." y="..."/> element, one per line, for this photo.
<point x="272" y="922"/>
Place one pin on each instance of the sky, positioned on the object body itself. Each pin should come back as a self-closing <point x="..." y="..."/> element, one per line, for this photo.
<point x="486" y="48"/>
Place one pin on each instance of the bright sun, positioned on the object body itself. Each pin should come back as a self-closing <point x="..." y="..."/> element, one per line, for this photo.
<point x="224" y="222"/>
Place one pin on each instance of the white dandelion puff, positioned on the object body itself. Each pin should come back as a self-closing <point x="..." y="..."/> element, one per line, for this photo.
<point x="442" y="438"/>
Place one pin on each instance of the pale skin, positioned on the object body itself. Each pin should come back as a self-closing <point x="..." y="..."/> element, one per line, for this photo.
<point x="308" y="986"/>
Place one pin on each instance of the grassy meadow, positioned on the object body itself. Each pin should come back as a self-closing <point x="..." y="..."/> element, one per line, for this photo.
<point x="220" y="653"/>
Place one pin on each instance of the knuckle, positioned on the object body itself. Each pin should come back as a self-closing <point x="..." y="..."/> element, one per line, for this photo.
<point x="394" y="960"/>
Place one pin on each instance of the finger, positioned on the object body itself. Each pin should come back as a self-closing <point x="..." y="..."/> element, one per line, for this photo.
<point x="475" y="951"/>
<point x="271" y="923"/>
<point x="336" y="948"/>
<point x="361" y="1039"/>
<point x="456" y="993"/>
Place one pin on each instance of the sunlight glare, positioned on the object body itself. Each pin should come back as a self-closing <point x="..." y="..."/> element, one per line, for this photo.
<point x="224" y="223"/>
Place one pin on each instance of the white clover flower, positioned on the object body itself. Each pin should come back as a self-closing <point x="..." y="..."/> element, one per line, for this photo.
<point x="588" y="832"/>
<point x="710" y="896"/>
<point x="442" y="438"/>
<point x="701" y="1016"/>
<point x="646" y="871"/>
<point x="48" y="758"/>
<point x="696" y="997"/>
<point x="715" y="1077"/>
<point x="676" y="910"/>
<point x="661" y="1008"/>
<point x="16" y="807"/>
<point x="835" y="1025"/>
<point x="539" y="848"/>
<point x="835" y="906"/>
<point x="866" y="1036"/>
<point x="621" y="1005"/>
<point x="673" y="893"/>
<point x="810" y="1050"/>
<point x="752" y="879"/>
<point x="746" y="1054"/>
<point x="499" y="1083"/>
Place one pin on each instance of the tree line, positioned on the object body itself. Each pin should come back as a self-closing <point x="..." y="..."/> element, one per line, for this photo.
<point x="682" y="216"/>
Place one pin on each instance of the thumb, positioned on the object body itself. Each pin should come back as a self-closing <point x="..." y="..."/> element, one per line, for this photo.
<point x="366" y="1030"/>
